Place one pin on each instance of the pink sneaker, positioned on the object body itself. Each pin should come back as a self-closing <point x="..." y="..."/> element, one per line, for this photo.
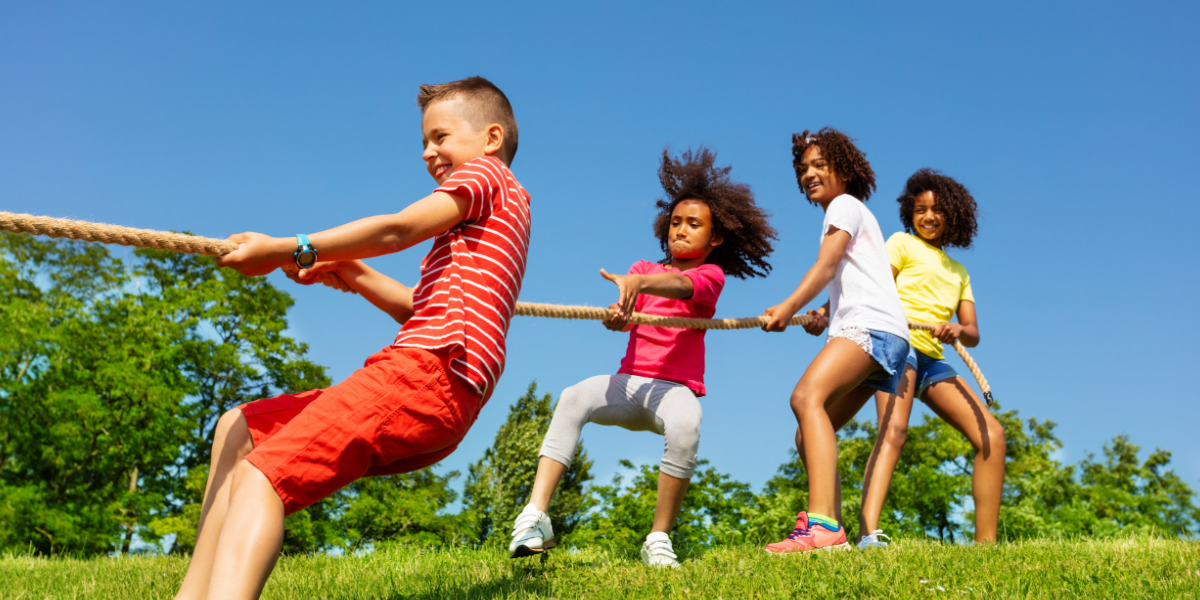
<point x="813" y="536"/>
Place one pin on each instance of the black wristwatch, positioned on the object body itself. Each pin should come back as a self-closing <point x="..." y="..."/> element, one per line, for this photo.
<point x="306" y="255"/>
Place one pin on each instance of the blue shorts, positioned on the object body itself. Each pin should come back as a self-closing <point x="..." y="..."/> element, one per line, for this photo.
<point x="930" y="370"/>
<point x="891" y="352"/>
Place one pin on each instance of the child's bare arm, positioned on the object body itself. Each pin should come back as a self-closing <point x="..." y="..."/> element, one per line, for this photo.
<point x="259" y="254"/>
<point x="666" y="285"/>
<point x="966" y="330"/>
<point x="387" y="294"/>
<point x="818" y="276"/>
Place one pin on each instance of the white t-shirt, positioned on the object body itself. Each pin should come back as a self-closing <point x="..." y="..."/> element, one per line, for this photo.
<point x="862" y="293"/>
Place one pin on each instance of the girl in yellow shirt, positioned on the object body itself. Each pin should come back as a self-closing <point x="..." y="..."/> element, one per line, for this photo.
<point x="937" y="212"/>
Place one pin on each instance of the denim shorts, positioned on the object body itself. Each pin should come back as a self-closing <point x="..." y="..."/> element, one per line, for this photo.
<point x="889" y="350"/>
<point x="930" y="370"/>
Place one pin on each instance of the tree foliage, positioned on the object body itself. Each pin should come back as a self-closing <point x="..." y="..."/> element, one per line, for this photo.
<point x="499" y="483"/>
<point x="1042" y="497"/>
<point x="112" y="377"/>
<point x="714" y="510"/>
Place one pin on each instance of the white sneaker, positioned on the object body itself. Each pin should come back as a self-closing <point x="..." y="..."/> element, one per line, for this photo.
<point x="532" y="533"/>
<point x="873" y="541"/>
<point x="657" y="551"/>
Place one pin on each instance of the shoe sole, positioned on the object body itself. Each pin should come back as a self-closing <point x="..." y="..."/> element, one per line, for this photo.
<point x="522" y="551"/>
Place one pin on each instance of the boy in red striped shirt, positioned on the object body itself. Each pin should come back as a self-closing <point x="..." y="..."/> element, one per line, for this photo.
<point x="411" y="403"/>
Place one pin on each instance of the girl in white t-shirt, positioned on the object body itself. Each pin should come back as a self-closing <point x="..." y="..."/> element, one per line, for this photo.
<point x="868" y="341"/>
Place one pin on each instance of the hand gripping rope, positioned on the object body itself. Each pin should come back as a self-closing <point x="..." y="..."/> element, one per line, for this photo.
<point x="191" y="244"/>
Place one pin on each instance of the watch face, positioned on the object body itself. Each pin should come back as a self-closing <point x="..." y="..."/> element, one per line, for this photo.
<point x="306" y="258"/>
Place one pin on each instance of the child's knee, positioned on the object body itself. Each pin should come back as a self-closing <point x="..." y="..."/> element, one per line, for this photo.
<point x="996" y="435"/>
<point x="243" y="470"/>
<point x="232" y="433"/>
<point x="895" y="435"/>
<point x="805" y="400"/>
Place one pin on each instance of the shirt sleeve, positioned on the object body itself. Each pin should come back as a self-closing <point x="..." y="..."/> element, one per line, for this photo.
<point x="640" y="267"/>
<point x="707" y="282"/>
<point x="967" y="294"/>
<point x="479" y="181"/>
<point x="897" y="251"/>
<point x="844" y="215"/>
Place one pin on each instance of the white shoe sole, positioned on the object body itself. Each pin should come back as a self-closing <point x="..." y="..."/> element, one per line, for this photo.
<point x="522" y="550"/>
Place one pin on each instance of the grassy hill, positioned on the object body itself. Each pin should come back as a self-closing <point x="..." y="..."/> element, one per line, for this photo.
<point x="1128" y="567"/>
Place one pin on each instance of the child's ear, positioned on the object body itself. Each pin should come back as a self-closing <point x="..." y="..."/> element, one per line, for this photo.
<point x="717" y="240"/>
<point x="495" y="139"/>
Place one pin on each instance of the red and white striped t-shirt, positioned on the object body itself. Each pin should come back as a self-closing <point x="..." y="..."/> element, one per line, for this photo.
<point x="471" y="277"/>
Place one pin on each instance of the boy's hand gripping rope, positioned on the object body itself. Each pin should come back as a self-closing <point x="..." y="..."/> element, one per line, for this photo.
<point x="192" y="244"/>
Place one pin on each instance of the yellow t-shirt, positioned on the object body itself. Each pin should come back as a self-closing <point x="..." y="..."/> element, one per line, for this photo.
<point x="931" y="285"/>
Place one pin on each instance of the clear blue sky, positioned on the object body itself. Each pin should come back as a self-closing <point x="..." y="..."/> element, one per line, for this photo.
<point x="1074" y="125"/>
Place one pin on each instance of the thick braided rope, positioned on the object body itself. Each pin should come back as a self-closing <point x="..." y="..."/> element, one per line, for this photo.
<point x="114" y="234"/>
<point x="594" y="313"/>
<point x="193" y="244"/>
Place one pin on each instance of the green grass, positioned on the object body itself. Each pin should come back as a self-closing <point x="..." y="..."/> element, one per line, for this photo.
<point x="1129" y="567"/>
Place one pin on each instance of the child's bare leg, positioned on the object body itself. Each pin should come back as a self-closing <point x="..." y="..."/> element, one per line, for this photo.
<point x="955" y="402"/>
<point x="251" y="538"/>
<point x="841" y="411"/>
<point x="231" y="443"/>
<point x="670" y="500"/>
<point x="549" y="473"/>
<point x="893" y="412"/>
<point x="836" y="371"/>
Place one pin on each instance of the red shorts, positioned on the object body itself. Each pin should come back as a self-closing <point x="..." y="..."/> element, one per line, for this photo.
<point x="403" y="411"/>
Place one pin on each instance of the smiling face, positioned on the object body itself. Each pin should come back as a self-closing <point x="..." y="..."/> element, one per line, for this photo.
<point x="451" y="140"/>
<point x="690" y="234"/>
<point x="928" y="220"/>
<point x="818" y="181"/>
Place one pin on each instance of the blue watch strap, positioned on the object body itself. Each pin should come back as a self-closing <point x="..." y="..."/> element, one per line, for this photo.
<point x="304" y="249"/>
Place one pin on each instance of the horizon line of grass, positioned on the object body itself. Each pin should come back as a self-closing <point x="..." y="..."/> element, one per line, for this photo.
<point x="1143" y="566"/>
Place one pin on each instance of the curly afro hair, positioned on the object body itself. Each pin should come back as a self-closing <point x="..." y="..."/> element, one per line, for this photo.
<point x="744" y="227"/>
<point x="952" y="199"/>
<point x="845" y="159"/>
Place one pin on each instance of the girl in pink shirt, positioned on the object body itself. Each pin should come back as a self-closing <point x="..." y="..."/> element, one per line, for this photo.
<point x="708" y="226"/>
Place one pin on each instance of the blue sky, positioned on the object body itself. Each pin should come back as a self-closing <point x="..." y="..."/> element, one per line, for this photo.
<point x="1073" y="124"/>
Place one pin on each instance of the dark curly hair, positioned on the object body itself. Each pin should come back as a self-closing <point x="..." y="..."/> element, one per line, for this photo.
<point x="845" y="159"/>
<point x="744" y="227"/>
<point x="951" y="197"/>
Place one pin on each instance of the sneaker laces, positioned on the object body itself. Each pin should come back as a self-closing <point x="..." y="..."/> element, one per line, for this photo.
<point x="661" y="547"/>
<point x="526" y="520"/>
<point x="800" y="532"/>
<point x="878" y="533"/>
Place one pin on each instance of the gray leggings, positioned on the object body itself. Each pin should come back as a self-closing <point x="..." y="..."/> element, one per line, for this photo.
<point x="635" y="403"/>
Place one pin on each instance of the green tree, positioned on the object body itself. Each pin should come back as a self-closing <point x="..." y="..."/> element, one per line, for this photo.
<point x="1042" y="497"/>
<point x="111" y="378"/>
<point x="91" y="419"/>
<point x="713" y="512"/>
<point x="498" y="484"/>
<point x="408" y="508"/>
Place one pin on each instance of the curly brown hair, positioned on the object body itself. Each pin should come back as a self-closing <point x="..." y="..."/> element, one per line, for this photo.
<point x="845" y="159"/>
<point x="744" y="227"/>
<point x="951" y="197"/>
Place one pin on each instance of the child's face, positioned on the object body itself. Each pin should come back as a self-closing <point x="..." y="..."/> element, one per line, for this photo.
<point x="691" y="231"/>
<point x="817" y="179"/>
<point x="928" y="220"/>
<point x="451" y="140"/>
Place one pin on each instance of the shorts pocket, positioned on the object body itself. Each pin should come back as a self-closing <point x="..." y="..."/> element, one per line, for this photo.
<point x="425" y="420"/>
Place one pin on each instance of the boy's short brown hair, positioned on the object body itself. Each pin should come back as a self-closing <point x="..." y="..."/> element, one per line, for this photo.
<point x="485" y="104"/>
